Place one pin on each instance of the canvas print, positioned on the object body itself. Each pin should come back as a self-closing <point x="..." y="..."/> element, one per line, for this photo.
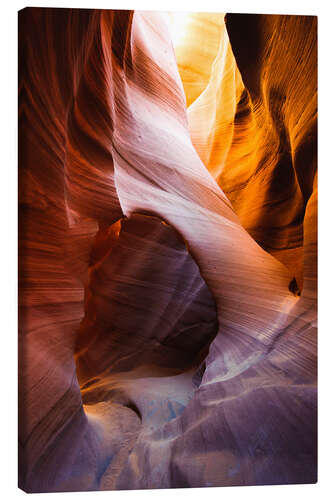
<point x="167" y="249"/>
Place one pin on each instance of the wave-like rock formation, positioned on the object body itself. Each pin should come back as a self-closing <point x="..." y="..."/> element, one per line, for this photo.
<point x="167" y="255"/>
<point x="255" y="123"/>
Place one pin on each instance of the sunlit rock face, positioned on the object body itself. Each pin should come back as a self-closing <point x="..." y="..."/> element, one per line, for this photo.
<point x="255" y="124"/>
<point x="167" y="259"/>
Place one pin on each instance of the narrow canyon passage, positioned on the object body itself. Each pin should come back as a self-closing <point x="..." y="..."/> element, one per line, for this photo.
<point x="167" y="249"/>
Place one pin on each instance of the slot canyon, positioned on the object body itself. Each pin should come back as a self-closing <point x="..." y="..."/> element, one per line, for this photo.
<point x="167" y="249"/>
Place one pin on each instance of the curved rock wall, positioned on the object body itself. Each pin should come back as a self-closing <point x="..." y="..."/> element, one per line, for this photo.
<point x="255" y="125"/>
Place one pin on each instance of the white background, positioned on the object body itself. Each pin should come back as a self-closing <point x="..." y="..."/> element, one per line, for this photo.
<point x="8" y="246"/>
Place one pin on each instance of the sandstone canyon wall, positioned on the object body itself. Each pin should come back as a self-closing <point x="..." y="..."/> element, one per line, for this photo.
<point x="167" y="250"/>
